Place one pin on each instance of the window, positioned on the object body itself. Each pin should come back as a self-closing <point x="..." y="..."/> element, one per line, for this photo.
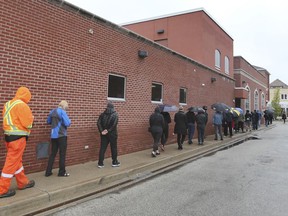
<point x="227" y="65"/>
<point x="116" y="87"/>
<point x="256" y="100"/>
<point x="217" y="59"/>
<point x="285" y="96"/>
<point x="282" y="96"/>
<point x="156" y="92"/>
<point x="247" y="101"/>
<point x="263" y="101"/>
<point x="182" y="96"/>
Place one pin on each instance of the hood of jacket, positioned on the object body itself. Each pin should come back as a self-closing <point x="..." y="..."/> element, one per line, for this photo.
<point x="23" y="94"/>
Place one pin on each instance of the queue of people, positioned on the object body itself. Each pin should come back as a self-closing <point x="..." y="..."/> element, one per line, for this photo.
<point x="185" y="124"/>
<point x="17" y="124"/>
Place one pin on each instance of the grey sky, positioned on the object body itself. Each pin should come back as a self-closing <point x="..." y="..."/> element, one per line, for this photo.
<point x="258" y="27"/>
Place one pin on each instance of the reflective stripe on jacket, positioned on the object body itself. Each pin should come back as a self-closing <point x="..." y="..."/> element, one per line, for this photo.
<point x="11" y="126"/>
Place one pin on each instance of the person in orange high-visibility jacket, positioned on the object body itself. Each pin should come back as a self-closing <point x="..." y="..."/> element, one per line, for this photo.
<point x="17" y="122"/>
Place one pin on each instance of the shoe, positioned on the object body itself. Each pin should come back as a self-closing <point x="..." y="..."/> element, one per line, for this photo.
<point x="162" y="147"/>
<point x="48" y="174"/>
<point x="190" y="142"/>
<point x="9" y="193"/>
<point x="157" y="152"/>
<point x="64" y="175"/>
<point x="116" y="163"/>
<point x="215" y="139"/>
<point x="153" y="154"/>
<point x="100" y="166"/>
<point x="221" y="138"/>
<point x="30" y="184"/>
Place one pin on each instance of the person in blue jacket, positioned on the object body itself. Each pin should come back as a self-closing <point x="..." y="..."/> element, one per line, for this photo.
<point x="59" y="121"/>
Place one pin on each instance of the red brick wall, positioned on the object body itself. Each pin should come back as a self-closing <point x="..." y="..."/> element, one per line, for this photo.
<point x="193" y="34"/>
<point x="48" y="49"/>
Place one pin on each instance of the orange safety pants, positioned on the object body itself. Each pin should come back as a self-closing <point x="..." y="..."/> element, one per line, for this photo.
<point x="13" y="165"/>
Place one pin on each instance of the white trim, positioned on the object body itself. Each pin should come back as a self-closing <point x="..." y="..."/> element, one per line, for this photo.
<point x="19" y="170"/>
<point x="5" y="175"/>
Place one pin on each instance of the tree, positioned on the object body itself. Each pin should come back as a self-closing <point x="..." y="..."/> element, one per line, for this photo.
<point x="276" y="103"/>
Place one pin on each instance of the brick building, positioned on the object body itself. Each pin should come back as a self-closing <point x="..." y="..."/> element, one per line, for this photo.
<point x="60" y="51"/>
<point x="195" y="34"/>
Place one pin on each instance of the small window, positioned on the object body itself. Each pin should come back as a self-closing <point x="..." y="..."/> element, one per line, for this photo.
<point x="182" y="96"/>
<point x="256" y="100"/>
<point x="217" y="59"/>
<point x="282" y="96"/>
<point x="285" y="96"/>
<point x="116" y="86"/>
<point x="156" y="95"/>
<point x="227" y="62"/>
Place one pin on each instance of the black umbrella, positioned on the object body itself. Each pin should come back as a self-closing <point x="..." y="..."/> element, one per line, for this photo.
<point x="196" y="109"/>
<point x="220" y="107"/>
<point x="168" y="108"/>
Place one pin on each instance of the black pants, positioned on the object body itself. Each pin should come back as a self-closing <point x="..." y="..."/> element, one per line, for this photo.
<point x="164" y="136"/>
<point x="61" y="144"/>
<point x="228" y="126"/>
<point x="105" y="140"/>
<point x="180" y="139"/>
<point x="156" y="137"/>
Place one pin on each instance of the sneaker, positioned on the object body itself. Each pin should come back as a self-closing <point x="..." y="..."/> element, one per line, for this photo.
<point x="9" y="193"/>
<point x="30" y="184"/>
<point x="116" y="163"/>
<point x="153" y="154"/>
<point x="157" y="152"/>
<point x="100" y="166"/>
<point x="64" y="175"/>
<point x="162" y="147"/>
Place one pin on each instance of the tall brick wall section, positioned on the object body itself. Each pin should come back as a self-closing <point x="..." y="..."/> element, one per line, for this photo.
<point x="254" y="80"/>
<point x="47" y="48"/>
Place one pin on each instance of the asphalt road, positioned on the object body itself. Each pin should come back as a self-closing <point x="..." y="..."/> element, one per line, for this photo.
<point x="250" y="179"/>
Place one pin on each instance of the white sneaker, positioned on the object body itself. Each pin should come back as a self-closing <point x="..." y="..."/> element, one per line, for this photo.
<point x="153" y="154"/>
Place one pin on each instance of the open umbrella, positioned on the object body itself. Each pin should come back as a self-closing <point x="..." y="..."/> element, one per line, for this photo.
<point x="240" y="110"/>
<point x="235" y="112"/>
<point x="220" y="107"/>
<point x="168" y="108"/>
<point x="196" y="109"/>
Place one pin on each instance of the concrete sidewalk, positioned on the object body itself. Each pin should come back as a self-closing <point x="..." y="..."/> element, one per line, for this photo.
<point x="87" y="179"/>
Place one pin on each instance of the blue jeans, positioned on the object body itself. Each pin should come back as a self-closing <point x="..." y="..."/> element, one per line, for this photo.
<point x="191" y="130"/>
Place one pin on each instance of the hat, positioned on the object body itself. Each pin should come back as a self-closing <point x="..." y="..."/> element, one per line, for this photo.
<point x="110" y="104"/>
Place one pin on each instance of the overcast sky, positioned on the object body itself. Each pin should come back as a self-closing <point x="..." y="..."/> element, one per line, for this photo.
<point x="258" y="27"/>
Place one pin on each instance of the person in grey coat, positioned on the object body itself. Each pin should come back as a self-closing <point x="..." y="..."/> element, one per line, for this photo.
<point x="201" y="123"/>
<point x="156" y="122"/>
<point x="181" y="125"/>
<point x="217" y="122"/>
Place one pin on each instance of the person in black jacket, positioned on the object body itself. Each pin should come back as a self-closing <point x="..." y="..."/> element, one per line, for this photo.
<point x="180" y="128"/>
<point x="167" y="121"/>
<point x="107" y="126"/>
<point x="156" y="122"/>
<point x="201" y="120"/>
<point x="227" y="122"/>
<point x="191" y="125"/>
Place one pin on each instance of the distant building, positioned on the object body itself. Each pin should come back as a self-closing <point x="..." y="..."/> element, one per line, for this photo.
<point x="278" y="84"/>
